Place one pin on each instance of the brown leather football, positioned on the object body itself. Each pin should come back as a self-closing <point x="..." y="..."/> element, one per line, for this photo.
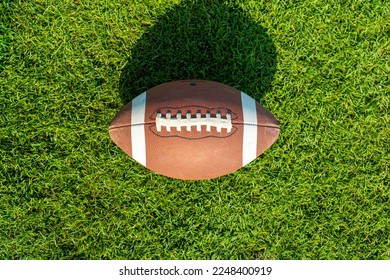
<point x="194" y="129"/>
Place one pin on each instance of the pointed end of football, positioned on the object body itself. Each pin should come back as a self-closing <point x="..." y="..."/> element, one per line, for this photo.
<point x="123" y="118"/>
<point x="120" y="129"/>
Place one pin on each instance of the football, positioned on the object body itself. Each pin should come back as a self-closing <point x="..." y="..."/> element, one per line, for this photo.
<point x="194" y="129"/>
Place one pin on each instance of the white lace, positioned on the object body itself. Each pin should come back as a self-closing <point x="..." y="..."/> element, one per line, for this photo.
<point x="177" y="122"/>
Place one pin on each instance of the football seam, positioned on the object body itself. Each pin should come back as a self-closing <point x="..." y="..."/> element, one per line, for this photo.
<point x="152" y="123"/>
<point x="192" y="138"/>
<point x="234" y="115"/>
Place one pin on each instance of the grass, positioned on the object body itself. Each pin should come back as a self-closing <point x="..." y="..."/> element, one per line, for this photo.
<point x="5" y="30"/>
<point x="320" y="192"/>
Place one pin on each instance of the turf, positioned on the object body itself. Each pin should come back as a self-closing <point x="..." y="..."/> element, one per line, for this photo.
<point x="320" y="192"/>
<point x="5" y="29"/>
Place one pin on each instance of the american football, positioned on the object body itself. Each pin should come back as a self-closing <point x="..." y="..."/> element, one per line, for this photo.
<point x="194" y="129"/>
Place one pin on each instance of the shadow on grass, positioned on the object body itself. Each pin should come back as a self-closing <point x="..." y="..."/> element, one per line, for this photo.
<point x="202" y="40"/>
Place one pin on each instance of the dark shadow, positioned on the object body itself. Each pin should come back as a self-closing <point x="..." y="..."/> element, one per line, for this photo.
<point x="202" y="39"/>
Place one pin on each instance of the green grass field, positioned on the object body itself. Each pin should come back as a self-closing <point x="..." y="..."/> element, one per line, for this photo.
<point x="320" y="192"/>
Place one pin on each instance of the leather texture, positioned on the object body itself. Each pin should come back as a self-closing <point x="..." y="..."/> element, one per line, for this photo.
<point x="194" y="155"/>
